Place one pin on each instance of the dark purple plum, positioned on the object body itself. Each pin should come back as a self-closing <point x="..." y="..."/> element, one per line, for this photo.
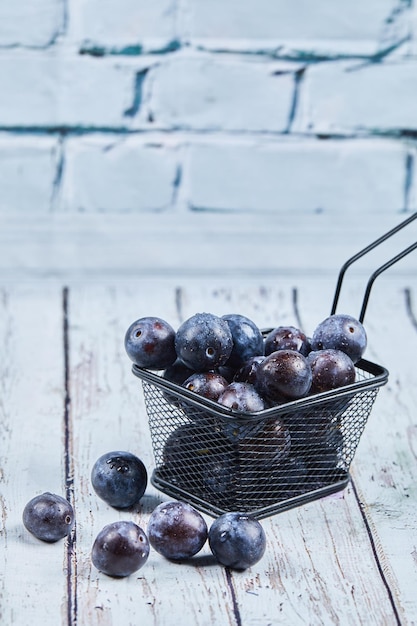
<point x="48" y="517"/>
<point x="204" y="342"/>
<point x="218" y="476"/>
<point x="150" y="342"/>
<point x="330" y="369"/>
<point x="281" y="481"/>
<point x="288" y="477"/>
<point x="197" y="459"/>
<point x="227" y="372"/>
<point x="237" y="540"/>
<point x="317" y="438"/>
<point x="242" y="397"/>
<point x="247" y="339"/>
<point x="176" y="373"/>
<point x="120" y="549"/>
<point x="119" y="478"/>
<point x="284" y="373"/>
<point x="325" y="451"/>
<point x="266" y="447"/>
<point x="176" y="530"/>
<point x="247" y="373"/>
<point x="341" y="332"/>
<point x="287" y="338"/>
<point x="187" y="447"/>
<point x="207" y="384"/>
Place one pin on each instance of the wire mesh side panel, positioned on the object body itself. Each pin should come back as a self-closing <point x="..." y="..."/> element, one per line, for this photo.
<point x="271" y="463"/>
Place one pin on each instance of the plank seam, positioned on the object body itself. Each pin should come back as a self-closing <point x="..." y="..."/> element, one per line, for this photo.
<point x="296" y="307"/>
<point x="236" y="611"/>
<point x="69" y="470"/>
<point x="375" y="553"/>
<point x="409" y="308"/>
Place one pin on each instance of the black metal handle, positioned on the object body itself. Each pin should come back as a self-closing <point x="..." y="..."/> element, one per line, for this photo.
<point x="379" y="270"/>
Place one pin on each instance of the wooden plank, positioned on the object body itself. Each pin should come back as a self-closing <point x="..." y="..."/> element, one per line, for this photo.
<point x="34" y="586"/>
<point x="319" y="567"/>
<point x="384" y="468"/>
<point x="385" y="471"/>
<point x="348" y="558"/>
<point x="108" y="413"/>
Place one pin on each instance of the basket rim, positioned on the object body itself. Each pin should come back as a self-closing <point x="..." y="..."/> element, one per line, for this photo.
<point x="379" y="377"/>
<point x="257" y="512"/>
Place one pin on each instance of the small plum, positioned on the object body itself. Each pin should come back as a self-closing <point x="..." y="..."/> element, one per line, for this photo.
<point x="177" y="373"/>
<point x="241" y="397"/>
<point x="119" y="478"/>
<point x="48" y="517"/>
<point x="266" y="447"/>
<point x="187" y="446"/>
<point x="284" y="373"/>
<point x="150" y="342"/>
<point x="341" y="332"/>
<point x="207" y="384"/>
<point x="120" y="549"/>
<point x="287" y="338"/>
<point x="247" y="373"/>
<point x="330" y="369"/>
<point x="247" y="339"/>
<point x="176" y="530"/>
<point x="204" y="342"/>
<point x="237" y="540"/>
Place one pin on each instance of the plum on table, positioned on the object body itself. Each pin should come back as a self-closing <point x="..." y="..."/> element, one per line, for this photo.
<point x="119" y="478"/>
<point x="48" y="517"/>
<point x="120" y="549"/>
<point x="176" y="530"/>
<point x="237" y="540"/>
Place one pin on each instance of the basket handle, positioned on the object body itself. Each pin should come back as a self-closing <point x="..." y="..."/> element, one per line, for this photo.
<point x="379" y="270"/>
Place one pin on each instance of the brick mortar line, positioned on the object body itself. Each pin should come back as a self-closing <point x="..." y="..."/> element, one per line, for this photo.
<point x="198" y="133"/>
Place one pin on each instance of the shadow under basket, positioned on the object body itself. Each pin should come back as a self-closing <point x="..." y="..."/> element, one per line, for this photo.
<point x="260" y="463"/>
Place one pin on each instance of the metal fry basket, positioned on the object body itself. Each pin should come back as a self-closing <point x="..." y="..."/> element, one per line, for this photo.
<point x="261" y="463"/>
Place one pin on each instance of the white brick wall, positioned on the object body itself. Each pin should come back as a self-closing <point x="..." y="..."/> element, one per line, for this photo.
<point x="31" y="23"/>
<point x="205" y="93"/>
<point x="350" y="97"/>
<point x="28" y="168"/>
<point x="297" y="21"/>
<point x="111" y="25"/>
<point x="113" y="174"/>
<point x="353" y="176"/>
<point x="178" y="108"/>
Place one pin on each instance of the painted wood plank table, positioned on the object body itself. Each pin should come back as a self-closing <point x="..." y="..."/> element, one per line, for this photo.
<point x="67" y="395"/>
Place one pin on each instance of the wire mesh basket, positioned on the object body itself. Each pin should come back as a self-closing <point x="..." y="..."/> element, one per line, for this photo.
<point x="261" y="463"/>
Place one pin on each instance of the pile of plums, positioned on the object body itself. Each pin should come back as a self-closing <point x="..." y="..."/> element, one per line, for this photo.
<point x="230" y="361"/>
<point x="227" y="358"/>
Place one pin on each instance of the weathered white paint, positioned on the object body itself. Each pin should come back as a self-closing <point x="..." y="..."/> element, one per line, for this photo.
<point x="333" y="561"/>
<point x="34" y="585"/>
